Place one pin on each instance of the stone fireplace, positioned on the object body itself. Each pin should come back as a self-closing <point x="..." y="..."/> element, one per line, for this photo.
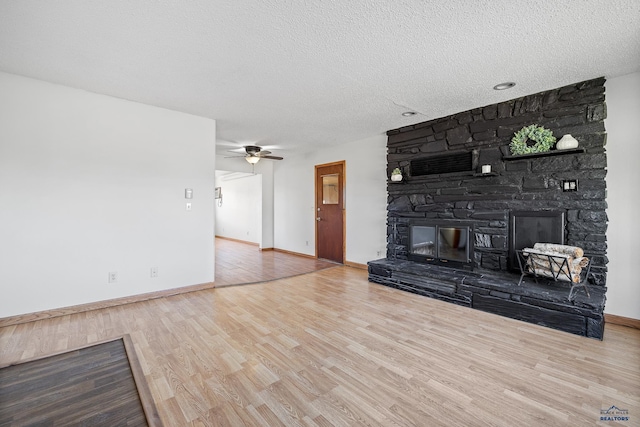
<point x="562" y="193"/>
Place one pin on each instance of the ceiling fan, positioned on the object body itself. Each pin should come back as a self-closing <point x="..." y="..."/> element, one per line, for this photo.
<point x="255" y="153"/>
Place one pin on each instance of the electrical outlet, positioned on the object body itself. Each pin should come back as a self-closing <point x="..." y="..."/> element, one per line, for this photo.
<point x="113" y="276"/>
<point x="570" y="185"/>
<point x="154" y="272"/>
<point x="379" y="253"/>
<point x="188" y="206"/>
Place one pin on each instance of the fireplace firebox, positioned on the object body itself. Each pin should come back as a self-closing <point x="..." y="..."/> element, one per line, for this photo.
<point x="441" y="243"/>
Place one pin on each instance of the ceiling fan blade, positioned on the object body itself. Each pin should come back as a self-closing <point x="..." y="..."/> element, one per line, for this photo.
<point x="263" y="153"/>
<point x="234" y="157"/>
<point x="272" y="157"/>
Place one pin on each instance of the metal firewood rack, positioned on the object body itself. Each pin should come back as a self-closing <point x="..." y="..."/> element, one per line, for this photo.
<point x="554" y="262"/>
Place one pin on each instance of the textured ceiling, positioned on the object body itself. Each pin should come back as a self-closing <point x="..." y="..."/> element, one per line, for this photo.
<point x="298" y="75"/>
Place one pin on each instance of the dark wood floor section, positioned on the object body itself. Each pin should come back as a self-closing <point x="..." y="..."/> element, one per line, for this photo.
<point x="240" y="263"/>
<point x="92" y="386"/>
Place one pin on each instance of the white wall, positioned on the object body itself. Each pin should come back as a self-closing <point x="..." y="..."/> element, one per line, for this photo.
<point x="91" y="184"/>
<point x="366" y="199"/>
<point x="623" y="194"/>
<point x="239" y="216"/>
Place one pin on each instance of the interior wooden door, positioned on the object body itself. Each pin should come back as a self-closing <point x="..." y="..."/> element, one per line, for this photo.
<point x="330" y="211"/>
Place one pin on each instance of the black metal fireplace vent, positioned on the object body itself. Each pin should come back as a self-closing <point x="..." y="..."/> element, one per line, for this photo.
<point x="434" y="165"/>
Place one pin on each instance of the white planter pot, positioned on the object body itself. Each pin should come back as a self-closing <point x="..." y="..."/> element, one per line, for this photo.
<point x="396" y="177"/>
<point x="567" y="142"/>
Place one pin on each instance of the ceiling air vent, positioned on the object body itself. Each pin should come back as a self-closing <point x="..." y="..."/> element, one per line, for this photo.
<point x="447" y="163"/>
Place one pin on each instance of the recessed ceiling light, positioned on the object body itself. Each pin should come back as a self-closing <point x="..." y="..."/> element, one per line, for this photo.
<point x="409" y="113"/>
<point x="503" y="86"/>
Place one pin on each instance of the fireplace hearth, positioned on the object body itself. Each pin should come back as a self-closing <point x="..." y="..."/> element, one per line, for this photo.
<point x="543" y="302"/>
<point x="521" y="202"/>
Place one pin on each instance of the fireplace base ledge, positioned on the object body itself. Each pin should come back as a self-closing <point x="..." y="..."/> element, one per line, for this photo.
<point x="545" y="303"/>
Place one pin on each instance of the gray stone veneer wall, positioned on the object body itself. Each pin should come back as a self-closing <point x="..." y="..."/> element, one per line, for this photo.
<point x="529" y="183"/>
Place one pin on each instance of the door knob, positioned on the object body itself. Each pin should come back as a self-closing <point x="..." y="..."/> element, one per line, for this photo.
<point x="318" y="219"/>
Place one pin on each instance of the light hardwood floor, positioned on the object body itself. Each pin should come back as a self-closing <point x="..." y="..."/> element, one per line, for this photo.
<point x="330" y="348"/>
<point x="240" y="263"/>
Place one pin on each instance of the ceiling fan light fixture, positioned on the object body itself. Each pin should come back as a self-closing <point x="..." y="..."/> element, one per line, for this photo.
<point x="252" y="159"/>
<point x="503" y="86"/>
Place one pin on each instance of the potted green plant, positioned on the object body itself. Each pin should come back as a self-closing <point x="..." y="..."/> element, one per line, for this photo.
<point x="396" y="175"/>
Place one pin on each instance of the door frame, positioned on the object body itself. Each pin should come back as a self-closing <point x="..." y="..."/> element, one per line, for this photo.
<point x="343" y="165"/>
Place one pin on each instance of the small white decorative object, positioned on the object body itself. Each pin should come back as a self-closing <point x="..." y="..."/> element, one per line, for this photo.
<point x="396" y="175"/>
<point x="567" y="142"/>
<point x="486" y="168"/>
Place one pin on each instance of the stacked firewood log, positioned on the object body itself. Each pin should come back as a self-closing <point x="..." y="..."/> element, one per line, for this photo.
<point x="560" y="262"/>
